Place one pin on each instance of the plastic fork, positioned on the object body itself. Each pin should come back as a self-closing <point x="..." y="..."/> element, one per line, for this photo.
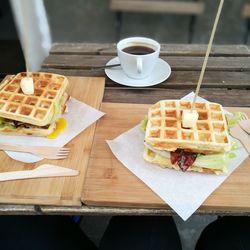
<point x="54" y="153"/>
<point x="245" y="123"/>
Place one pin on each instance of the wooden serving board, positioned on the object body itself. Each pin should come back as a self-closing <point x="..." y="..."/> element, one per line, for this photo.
<point x="60" y="190"/>
<point x="108" y="182"/>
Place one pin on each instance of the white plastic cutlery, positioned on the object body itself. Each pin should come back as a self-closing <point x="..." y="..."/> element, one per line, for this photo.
<point x="245" y="123"/>
<point x="237" y="132"/>
<point x="45" y="170"/>
<point x="43" y="151"/>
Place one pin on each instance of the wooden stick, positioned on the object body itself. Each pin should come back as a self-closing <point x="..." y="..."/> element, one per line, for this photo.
<point x="26" y="38"/>
<point x="207" y="53"/>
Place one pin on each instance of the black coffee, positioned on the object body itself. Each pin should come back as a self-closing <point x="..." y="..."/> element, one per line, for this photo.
<point x="138" y="50"/>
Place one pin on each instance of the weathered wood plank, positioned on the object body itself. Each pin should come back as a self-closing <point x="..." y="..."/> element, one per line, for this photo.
<point x="178" y="79"/>
<point x="177" y="63"/>
<point x="232" y="98"/>
<point x="74" y="72"/>
<point x="98" y="210"/>
<point x="222" y="79"/>
<point x="17" y="209"/>
<point x="176" y="7"/>
<point x="166" y="49"/>
<point x="83" y="48"/>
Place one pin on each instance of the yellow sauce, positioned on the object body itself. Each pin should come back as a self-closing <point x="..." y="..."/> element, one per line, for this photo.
<point x="61" y="124"/>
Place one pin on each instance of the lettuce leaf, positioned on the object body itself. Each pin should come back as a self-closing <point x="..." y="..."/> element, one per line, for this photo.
<point x="232" y="120"/>
<point x="143" y="123"/>
<point x="213" y="161"/>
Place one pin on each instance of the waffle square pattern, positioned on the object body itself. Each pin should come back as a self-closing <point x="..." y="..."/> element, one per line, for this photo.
<point x="37" y="109"/>
<point x="164" y="129"/>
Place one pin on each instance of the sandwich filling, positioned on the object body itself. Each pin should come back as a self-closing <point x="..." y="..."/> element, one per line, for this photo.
<point x="186" y="161"/>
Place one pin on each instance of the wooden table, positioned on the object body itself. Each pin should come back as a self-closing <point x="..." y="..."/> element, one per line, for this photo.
<point x="227" y="81"/>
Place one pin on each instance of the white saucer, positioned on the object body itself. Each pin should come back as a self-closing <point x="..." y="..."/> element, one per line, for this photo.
<point x="160" y="73"/>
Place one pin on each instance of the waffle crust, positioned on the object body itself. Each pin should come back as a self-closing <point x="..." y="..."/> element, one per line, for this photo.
<point x="164" y="129"/>
<point x="36" y="109"/>
<point x="28" y="129"/>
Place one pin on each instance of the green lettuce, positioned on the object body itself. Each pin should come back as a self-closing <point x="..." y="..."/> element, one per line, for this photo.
<point x="233" y="120"/>
<point x="4" y="123"/>
<point x="213" y="161"/>
<point x="143" y="123"/>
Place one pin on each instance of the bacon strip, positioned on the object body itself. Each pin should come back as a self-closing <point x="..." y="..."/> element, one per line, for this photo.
<point x="183" y="159"/>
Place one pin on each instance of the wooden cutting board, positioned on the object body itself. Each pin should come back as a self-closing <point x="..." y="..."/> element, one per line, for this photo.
<point x="108" y="182"/>
<point x="61" y="190"/>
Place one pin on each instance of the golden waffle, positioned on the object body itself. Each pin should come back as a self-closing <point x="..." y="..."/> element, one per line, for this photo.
<point x="13" y="128"/>
<point x="36" y="109"/>
<point x="165" y="132"/>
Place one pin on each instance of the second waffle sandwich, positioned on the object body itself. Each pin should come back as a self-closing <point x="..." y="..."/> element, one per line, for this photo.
<point x="169" y="144"/>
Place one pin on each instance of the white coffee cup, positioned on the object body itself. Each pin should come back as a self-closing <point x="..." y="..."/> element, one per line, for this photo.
<point x="138" y="56"/>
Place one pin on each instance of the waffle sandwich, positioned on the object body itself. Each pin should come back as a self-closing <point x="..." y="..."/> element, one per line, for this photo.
<point x="35" y="114"/>
<point x="201" y="148"/>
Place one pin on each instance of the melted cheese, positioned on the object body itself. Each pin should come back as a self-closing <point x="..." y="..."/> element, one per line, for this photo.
<point x="61" y="124"/>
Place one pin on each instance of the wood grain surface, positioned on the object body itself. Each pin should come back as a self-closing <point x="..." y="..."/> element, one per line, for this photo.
<point x="62" y="190"/>
<point x="109" y="183"/>
<point x="166" y="49"/>
<point x="176" y="62"/>
<point x="225" y="80"/>
<point x="177" y="7"/>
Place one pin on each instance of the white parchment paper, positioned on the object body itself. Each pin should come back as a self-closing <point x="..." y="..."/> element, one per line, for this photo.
<point x="79" y="117"/>
<point x="183" y="192"/>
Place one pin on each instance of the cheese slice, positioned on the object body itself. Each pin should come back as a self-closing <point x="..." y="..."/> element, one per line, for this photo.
<point x="189" y="118"/>
<point x="27" y="85"/>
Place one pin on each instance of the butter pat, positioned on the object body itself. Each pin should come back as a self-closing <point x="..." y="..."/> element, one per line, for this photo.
<point x="27" y="85"/>
<point x="189" y="119"/>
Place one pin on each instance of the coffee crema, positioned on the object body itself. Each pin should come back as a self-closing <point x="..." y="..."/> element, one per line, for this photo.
<point x="138" y="50"/>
